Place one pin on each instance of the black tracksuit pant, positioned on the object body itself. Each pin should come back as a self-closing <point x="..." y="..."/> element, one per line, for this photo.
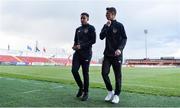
<point x="116" y="63"/>
<point x="84" y="62"/>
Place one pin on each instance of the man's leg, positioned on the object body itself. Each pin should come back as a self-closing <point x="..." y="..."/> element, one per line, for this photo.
<point x="75" y="69"/>
<point x="105" y="73"/>
<point x="118" y="76"/>
<point x="85" y="69"/>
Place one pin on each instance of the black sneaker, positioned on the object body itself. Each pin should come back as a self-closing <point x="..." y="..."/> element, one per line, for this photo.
<point x="84" y="97"/>
<point x="80" y="92"/>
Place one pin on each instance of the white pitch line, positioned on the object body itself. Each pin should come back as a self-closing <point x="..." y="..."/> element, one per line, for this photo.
<point x="41" y="90"/>
<point x="9" y="78"/>
<point x="144" y="86"/>
<point x="31" y="91"/>
<point x="57" y="87"/>
<point x="149" y="86"/>
<point x="24" y="81"/>
<point x="37" y="83"/>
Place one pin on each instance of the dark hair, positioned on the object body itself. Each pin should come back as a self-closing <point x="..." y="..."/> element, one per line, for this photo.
<point x="111" y="9"/>
<point x="86" y="14"/>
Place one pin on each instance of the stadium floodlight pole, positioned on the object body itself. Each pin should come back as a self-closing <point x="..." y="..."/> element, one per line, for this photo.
<point x="146" y="32"/>
<point x="36" y="43"/>
<point x="36" y="46"/>
<point x="8" y="47"/>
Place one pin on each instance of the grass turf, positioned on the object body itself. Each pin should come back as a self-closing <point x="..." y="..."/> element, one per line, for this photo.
<point x="154" y="81"/>
<point x="30" y="93"/>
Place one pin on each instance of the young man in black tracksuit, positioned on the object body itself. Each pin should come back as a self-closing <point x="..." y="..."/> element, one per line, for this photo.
<point x="85" y="37"/>
<point x="116" y="39"/>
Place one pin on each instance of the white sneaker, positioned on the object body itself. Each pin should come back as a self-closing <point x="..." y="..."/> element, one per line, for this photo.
<point x="115" y="99"/>
<point x="109" y="96"/>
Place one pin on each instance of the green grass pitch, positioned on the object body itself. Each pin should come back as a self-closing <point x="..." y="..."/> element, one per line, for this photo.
<point x="54" y="86"/>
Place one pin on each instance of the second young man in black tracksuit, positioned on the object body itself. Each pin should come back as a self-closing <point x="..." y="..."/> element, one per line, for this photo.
<point x="114" y="33"/>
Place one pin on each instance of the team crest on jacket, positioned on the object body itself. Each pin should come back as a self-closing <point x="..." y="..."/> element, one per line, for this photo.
<point x="86" y="30"/>
<point x="79" y="31"/>
<point x="114" y="30"/>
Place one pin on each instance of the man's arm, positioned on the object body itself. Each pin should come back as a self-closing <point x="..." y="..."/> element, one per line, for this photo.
<point x="75" y="41"/>
<point x="105" y="29"/>
<point x="123" y="41"/>
<point x="103" y="33"/>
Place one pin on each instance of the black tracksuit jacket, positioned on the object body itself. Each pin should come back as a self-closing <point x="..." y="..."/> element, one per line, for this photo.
<point x="115" y="38"/>
<point x="85" y="36"/>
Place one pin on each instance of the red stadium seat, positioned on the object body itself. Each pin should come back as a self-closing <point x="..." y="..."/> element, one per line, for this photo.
<point x="7" y="58"/>
<point x="34" y="59"/>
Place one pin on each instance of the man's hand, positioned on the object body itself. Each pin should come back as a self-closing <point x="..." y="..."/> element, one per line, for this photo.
<point x="117" y="52"/>
<point x="108" y="23"/>
<point x="76" y="47"/>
